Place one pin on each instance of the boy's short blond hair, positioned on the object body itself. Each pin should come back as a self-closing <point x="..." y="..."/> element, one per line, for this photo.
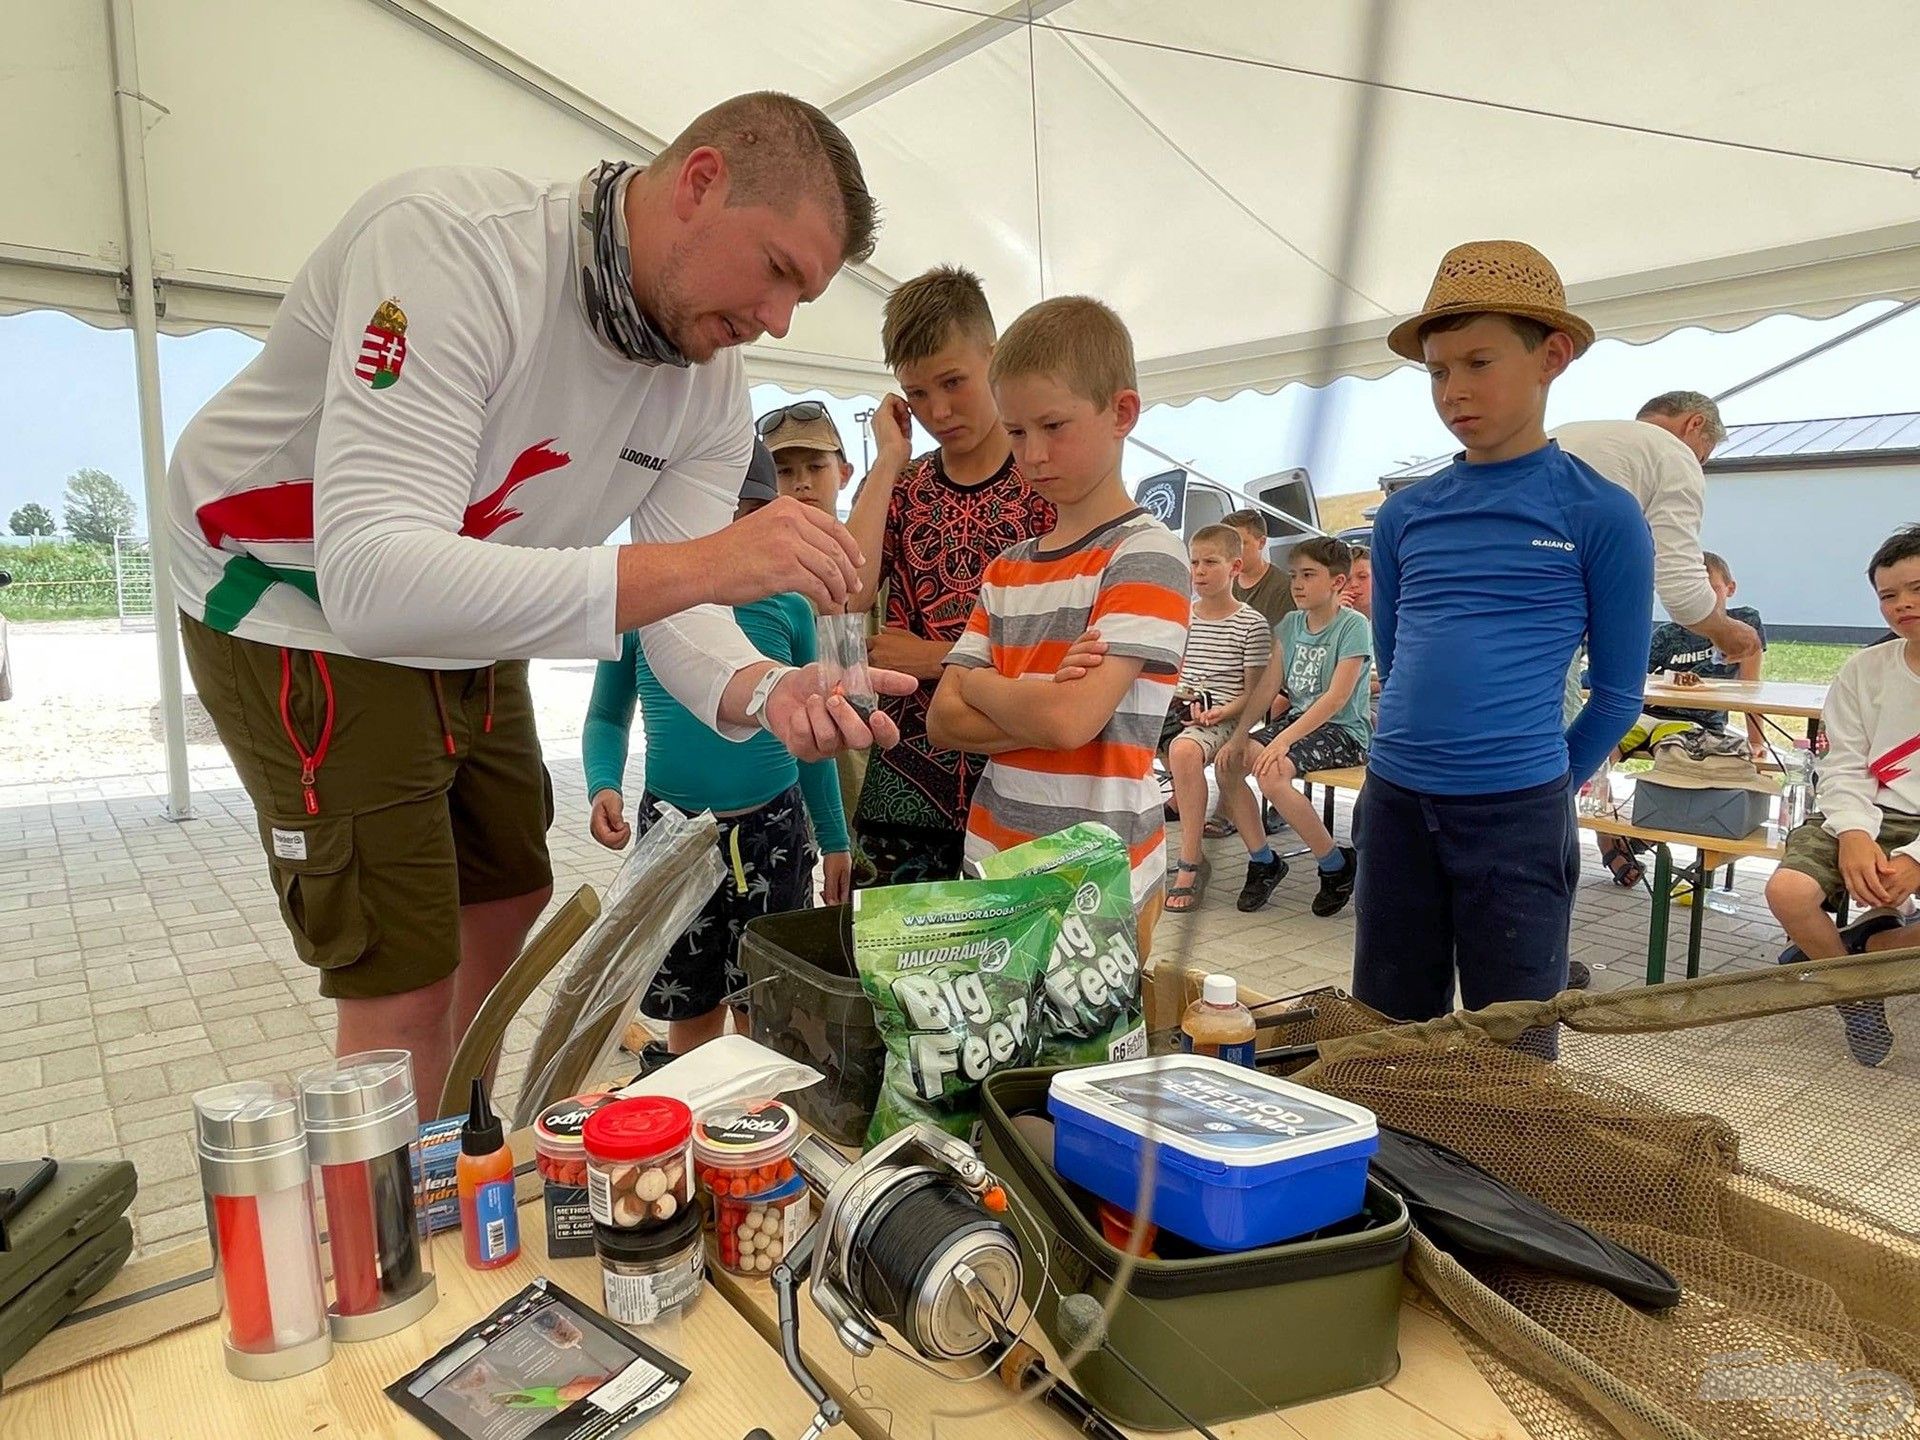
<point x="925" y="313"/>
<point x="1225" y="536"/>
<point x="1076" y="340"/>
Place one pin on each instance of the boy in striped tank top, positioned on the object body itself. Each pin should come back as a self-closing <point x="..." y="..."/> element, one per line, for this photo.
<point x="1068" y="665"/>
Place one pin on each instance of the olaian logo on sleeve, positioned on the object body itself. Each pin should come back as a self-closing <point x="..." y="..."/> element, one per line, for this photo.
<point x="1566" y="545"/>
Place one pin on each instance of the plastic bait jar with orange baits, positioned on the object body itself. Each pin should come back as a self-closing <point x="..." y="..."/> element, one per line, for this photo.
<point x="743" y="1157"/>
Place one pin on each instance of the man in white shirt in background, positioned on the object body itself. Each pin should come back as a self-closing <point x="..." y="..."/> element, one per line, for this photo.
<point x="471" y="383"/>
<point x="1657" y="456"/>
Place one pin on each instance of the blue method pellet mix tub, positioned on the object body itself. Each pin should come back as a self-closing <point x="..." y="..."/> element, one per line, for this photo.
<point x="1244" y="1159"/>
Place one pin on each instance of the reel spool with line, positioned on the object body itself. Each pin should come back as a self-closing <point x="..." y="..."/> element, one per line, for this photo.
<point x="909" y="1240"/>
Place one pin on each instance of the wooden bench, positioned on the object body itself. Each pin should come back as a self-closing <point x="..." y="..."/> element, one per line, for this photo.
<point x="1709" y="854"/>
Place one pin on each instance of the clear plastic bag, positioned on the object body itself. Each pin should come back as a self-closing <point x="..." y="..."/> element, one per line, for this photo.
<point x="673" y="871"/>
<point x="842" y="641"/>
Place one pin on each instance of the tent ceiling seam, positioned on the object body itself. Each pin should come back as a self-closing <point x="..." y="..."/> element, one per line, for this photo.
<point x="1100" y="71"/>
<point x="935" y="58"/>
<point x="1167" y="47"/>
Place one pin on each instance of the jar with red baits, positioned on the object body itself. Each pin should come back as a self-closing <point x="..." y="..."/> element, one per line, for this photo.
<point x="639" y="1161"/>
<point x="761" y="1207"/>
<point x="561" y="1158"/>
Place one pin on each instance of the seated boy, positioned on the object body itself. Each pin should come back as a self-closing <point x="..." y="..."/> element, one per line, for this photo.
<point x="1865" y="842"/>
<point x="1359" y="596"/>
<point x="1485" y="578"/>
<point x="1689" y="658"/>
<point x="1228" y="645"/>
<point x="1068" y="664"/>
<point x="1321" y="660"/>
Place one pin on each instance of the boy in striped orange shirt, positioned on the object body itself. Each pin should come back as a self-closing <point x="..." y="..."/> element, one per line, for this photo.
<point x="1068" y="666"/>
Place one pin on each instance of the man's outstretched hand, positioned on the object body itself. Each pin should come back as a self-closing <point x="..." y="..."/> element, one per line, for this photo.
<point x="815" y="726"/>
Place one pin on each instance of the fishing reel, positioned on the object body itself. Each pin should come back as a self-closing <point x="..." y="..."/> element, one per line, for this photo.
<point x="908" y="1239"/>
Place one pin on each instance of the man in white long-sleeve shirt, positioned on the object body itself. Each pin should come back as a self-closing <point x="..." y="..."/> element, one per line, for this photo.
<point x="472" y="382"/>
<point x="1657" y="456"/>
<point x="1865" y="840"/>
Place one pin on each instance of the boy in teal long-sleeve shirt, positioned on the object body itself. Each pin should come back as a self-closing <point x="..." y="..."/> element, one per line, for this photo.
<point x="760" y="794"/>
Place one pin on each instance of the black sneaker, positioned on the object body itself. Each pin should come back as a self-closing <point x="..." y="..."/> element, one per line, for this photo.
<point x="1579" y="977"/>
<point x="1262" y="876"/>
<point x="1336" y="886"/>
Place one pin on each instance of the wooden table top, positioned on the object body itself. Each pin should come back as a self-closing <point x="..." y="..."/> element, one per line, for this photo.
<point x="1438" y="1394"/>
<point x="178" y="1387"/>
<point x="1764" y="697"/>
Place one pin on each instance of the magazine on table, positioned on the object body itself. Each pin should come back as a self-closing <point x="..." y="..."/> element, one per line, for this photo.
<point x="543" y="1366"/>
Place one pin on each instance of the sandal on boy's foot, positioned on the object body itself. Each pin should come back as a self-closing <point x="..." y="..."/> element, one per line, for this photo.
<point x="1183" y="894"/>
<point x="1618" y="856"/>
<point x="1336" y="886"/>
<point x="1854" y="937"/>
<point x="1262" y="876"/>
<point x="1218" y="828"/>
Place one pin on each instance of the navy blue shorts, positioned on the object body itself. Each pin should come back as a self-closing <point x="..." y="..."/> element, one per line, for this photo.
<point x="1476" y="885"/>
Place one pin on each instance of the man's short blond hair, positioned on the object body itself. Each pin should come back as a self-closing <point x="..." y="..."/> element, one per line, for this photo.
<point x="927" y="312"/>
<point x="1076" y="340"/>
<point x="779" y="148"/>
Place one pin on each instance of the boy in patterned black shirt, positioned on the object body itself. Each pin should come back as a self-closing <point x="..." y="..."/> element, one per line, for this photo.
<point x="928" y="528"/>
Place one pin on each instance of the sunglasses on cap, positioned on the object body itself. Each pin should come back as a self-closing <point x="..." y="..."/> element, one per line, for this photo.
<point x="803" y="411"/>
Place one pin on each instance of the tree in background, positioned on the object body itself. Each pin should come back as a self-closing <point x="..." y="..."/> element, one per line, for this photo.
<point x="97" y="507"/>
<point x="31" y="519"/>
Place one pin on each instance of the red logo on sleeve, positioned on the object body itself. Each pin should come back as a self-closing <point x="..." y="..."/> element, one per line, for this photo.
<point x="489" y="513"/>
<point x="383" y="348"/>
<point x="1891" y="766"/>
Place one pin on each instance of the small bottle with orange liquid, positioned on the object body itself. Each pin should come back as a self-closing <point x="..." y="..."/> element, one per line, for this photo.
<point x="489" y="1222"/>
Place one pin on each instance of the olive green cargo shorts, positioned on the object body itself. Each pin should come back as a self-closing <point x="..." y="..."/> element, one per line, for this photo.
<point x="387" y="798"/>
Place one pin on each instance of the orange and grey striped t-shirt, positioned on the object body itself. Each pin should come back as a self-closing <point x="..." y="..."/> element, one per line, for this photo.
<point x="1130" y="580"/>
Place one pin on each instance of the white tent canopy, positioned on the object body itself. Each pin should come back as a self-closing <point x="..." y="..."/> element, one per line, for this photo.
<point x="1259" y="186"/>
<point x="1192" y="160"/>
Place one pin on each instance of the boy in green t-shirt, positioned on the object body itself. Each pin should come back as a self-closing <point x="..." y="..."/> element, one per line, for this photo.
<point x="1321" y="656"/>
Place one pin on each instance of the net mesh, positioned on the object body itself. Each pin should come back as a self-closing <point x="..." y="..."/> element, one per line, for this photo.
<point x="1720" y="1127"/>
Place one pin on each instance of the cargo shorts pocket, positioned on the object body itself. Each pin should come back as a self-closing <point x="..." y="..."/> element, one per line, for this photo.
<point x="318" y="884"/>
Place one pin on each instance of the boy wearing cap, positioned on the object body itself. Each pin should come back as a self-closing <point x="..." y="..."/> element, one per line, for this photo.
<point x="928" y="529"/>
<point x="1485" y="578"/>
<point x="760" y="794"/>
<point x="810" y="465"/>
<point x="809" y="462"/>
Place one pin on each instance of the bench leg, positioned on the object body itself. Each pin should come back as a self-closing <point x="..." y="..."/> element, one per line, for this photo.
<point x="1657" y="919"/>
<point x="1326" y="807"/>
<point x="1702" y="880"/>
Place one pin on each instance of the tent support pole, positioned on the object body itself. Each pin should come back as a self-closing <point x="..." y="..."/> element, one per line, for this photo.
<point x="130" y="111"/>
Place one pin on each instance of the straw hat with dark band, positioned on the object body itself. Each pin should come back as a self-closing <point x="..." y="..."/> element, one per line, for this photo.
<point x="1493" y="277"/>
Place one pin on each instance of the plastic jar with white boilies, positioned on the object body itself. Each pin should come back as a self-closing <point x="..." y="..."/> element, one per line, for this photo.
<point x="639" y="1161"/>
<point x="761" y="1207"/>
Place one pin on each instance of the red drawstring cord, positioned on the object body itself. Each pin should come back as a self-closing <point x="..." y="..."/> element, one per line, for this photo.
<point x="440" y="704"/>
<point x="309" y="763"/>
<point x="487" y="726"/>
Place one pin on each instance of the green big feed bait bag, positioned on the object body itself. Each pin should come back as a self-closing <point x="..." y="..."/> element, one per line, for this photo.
<point x="1090" y="1002"/>
<point x="953" y="969"/>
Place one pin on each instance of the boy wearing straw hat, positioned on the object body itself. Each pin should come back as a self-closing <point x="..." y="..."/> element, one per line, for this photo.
<point x="1485" y="578"/>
